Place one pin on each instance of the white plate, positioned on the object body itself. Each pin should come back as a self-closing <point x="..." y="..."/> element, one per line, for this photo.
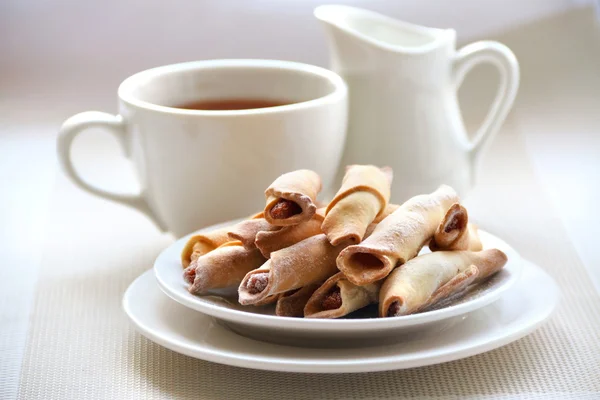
<point x="522" y="309"/>
<point x="260" y="322"/>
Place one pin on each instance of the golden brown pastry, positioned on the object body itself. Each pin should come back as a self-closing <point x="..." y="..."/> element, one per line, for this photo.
<point x="431" y="278"/>
<point x="291" y="198"/>
<point x="390" y="208"/>
<point x="199" y="245"/>
<point x="338" y="297"/>
<point x="397" y="238"/>
<point x="309" y="261"/>
<point x="455" y="232"/>
<point x="246" y="231"/>
<point x="277" y="239"/>
<point x="363" y="197"/>
<point x="291" y="304"/>
<point x="268" y="300"/>
<point x="223" y="267"/>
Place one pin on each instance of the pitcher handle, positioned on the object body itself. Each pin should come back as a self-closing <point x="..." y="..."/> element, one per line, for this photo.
<point x="114" y="124"/>
<point x="503" y="58"/>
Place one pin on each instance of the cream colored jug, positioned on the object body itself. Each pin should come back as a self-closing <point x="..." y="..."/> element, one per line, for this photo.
<point x="403" y="82"/>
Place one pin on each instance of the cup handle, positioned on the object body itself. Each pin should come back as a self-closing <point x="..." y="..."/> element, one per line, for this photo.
<point x="503" y="58"/>
<point x="114" y="124"/>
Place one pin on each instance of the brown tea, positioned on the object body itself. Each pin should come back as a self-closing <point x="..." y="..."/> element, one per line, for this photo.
<point x="231" y="104"/>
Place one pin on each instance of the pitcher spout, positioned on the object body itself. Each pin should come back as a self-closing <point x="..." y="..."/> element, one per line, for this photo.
<point x="380" y="31"/>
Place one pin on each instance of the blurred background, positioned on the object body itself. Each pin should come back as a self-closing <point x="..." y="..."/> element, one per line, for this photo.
<point x="60" y="57"/>
<point x="75" y="53"/>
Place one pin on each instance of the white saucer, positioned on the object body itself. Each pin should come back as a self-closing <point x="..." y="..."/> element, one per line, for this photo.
<point x="260" y="322"/>
<point x="518" y="312"/>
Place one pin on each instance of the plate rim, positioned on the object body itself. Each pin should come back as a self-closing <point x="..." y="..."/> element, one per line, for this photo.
<point x="362" y="324"/>
<point x="392" y="362"/>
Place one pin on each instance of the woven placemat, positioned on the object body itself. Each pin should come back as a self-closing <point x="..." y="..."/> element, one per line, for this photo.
<point x="81" y="345"/>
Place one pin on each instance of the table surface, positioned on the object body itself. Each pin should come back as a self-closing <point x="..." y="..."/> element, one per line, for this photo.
<point x="554" y="124"/>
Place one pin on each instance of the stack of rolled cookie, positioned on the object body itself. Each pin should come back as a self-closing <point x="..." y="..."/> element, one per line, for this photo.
<point x="358" y="250"/>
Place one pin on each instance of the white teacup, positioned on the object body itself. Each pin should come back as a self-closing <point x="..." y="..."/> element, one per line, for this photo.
<point x="199" y="167"/>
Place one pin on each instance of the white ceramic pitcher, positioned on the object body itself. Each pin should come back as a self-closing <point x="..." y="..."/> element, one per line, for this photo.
<point x="403" y="82"/>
